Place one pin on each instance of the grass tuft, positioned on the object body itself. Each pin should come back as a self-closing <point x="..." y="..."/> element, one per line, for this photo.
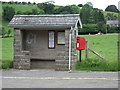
<point x="97" y="65"/>
<point x="6" y="64"/>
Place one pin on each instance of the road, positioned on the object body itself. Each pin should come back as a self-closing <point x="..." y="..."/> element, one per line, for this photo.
<point x="58" y="79"/>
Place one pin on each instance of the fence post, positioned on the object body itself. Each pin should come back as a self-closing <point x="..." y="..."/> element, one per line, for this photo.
<point x="118" y="51"/>
<point x="80" y="55"/>
<point x="87" y="53"/>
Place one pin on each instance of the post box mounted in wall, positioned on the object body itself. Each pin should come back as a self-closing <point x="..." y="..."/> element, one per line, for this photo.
<point x="80" y="45"/>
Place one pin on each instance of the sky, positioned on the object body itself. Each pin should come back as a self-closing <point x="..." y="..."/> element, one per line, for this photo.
<point x="101" y="4"/>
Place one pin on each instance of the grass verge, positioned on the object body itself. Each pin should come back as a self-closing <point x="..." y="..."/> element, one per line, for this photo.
<point x="97" y="65"/>
<point x="105" y="45"/>
<point x="6" y="59"/>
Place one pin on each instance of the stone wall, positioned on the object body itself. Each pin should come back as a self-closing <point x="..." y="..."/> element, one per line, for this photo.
<point x="62" y="58"/>
<point x="21" y="58"/>
<point x="73" y="50"/>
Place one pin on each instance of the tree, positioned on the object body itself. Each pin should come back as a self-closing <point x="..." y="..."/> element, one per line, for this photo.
<point x="90" y="15"/>
<point x="29" y="3"/>
<point x="24" y="3"/>
<point x="16" y="2"/>
<point x="47" y="7"/>
<point x="10" y="2"/>
<point x="34" y="3"/>
<point x="80" y="5"/>
<point x="4" y="2"/>
<point x="112" y="8"/>
<point x="19" y="2"/>
<point x="100" y="17"/>
<point x="70" y="9"/>
<point x="90" y="4"/>
<point x="85" y="13"/>
<point x="8" y="13"/>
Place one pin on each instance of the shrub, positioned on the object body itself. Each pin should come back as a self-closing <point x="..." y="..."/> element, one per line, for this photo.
<point x="113" y="29"/>
<point x="102" y="28"/>
<point x="6" y="64"/>
<point x="8" y="13"/>
<point x="95" y="28"/>
<point x="88" y="28"/>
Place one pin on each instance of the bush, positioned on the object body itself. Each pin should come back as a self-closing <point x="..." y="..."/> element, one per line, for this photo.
<point x="102" y="28"/>
<point x="8" y="13"/>
<point x="95" y="28"/>
<point x="113" y="29"/>
<point x="88" y="28"/>
<point x="6" y="64"/>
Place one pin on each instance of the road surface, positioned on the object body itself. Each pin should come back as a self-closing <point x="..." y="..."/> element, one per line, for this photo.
<point x="58" y="79"/>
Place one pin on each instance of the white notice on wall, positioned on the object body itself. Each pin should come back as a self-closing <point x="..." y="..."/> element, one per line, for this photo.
<point x="51" y="39"/>
<point x="61" y="37"/>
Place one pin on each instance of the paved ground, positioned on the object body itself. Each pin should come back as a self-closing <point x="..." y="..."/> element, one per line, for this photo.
<point x="58" y="79"/>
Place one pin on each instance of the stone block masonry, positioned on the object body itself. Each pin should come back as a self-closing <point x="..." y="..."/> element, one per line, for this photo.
<point x="21" y="58"/>
<point x="62" y="58"/>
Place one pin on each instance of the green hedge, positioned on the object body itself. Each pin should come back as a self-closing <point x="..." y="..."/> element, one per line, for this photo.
<point x="88" y="28"/>
<point x="94" y="28"/>
<point x="113" y="29"/>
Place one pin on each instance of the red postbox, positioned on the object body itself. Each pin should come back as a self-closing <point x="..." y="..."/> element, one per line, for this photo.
<point x="80" y="43"/>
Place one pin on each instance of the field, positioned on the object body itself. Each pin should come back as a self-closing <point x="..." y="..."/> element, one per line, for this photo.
<point x="106" y="12"/>
<point x="106" y="45"/>
<point x="21" y="7"/>
<point x="6" y="46"/>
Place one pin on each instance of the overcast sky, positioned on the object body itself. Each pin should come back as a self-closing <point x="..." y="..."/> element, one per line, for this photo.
<point x="101" y="4"/>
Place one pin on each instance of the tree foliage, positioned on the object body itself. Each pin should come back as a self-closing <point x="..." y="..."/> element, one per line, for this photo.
<point x="8" y="13"/>
<point x="47" y="7"/>
<point x="80" y="5"/>
<point x="90" y="15"/>
<point x="69" y="9"/>
<point x="112" y="8"/>
<point x="95" y="28"/>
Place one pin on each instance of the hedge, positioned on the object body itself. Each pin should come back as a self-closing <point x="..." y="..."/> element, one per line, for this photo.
<point x="94" y="28"/>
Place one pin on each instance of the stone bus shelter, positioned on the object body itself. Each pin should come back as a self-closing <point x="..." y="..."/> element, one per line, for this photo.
<point x="45" y="41"/>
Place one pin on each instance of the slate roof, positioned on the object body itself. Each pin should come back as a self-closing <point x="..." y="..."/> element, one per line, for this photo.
<point x="45" y="21"/>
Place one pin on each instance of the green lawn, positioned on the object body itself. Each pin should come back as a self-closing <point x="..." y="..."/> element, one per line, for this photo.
<point x="105" y="45"/>
<point x="7" y="48"/>
<point x="21" y="7"/>
<point x="106" y="12"/>
<point x="6" y="56"/>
